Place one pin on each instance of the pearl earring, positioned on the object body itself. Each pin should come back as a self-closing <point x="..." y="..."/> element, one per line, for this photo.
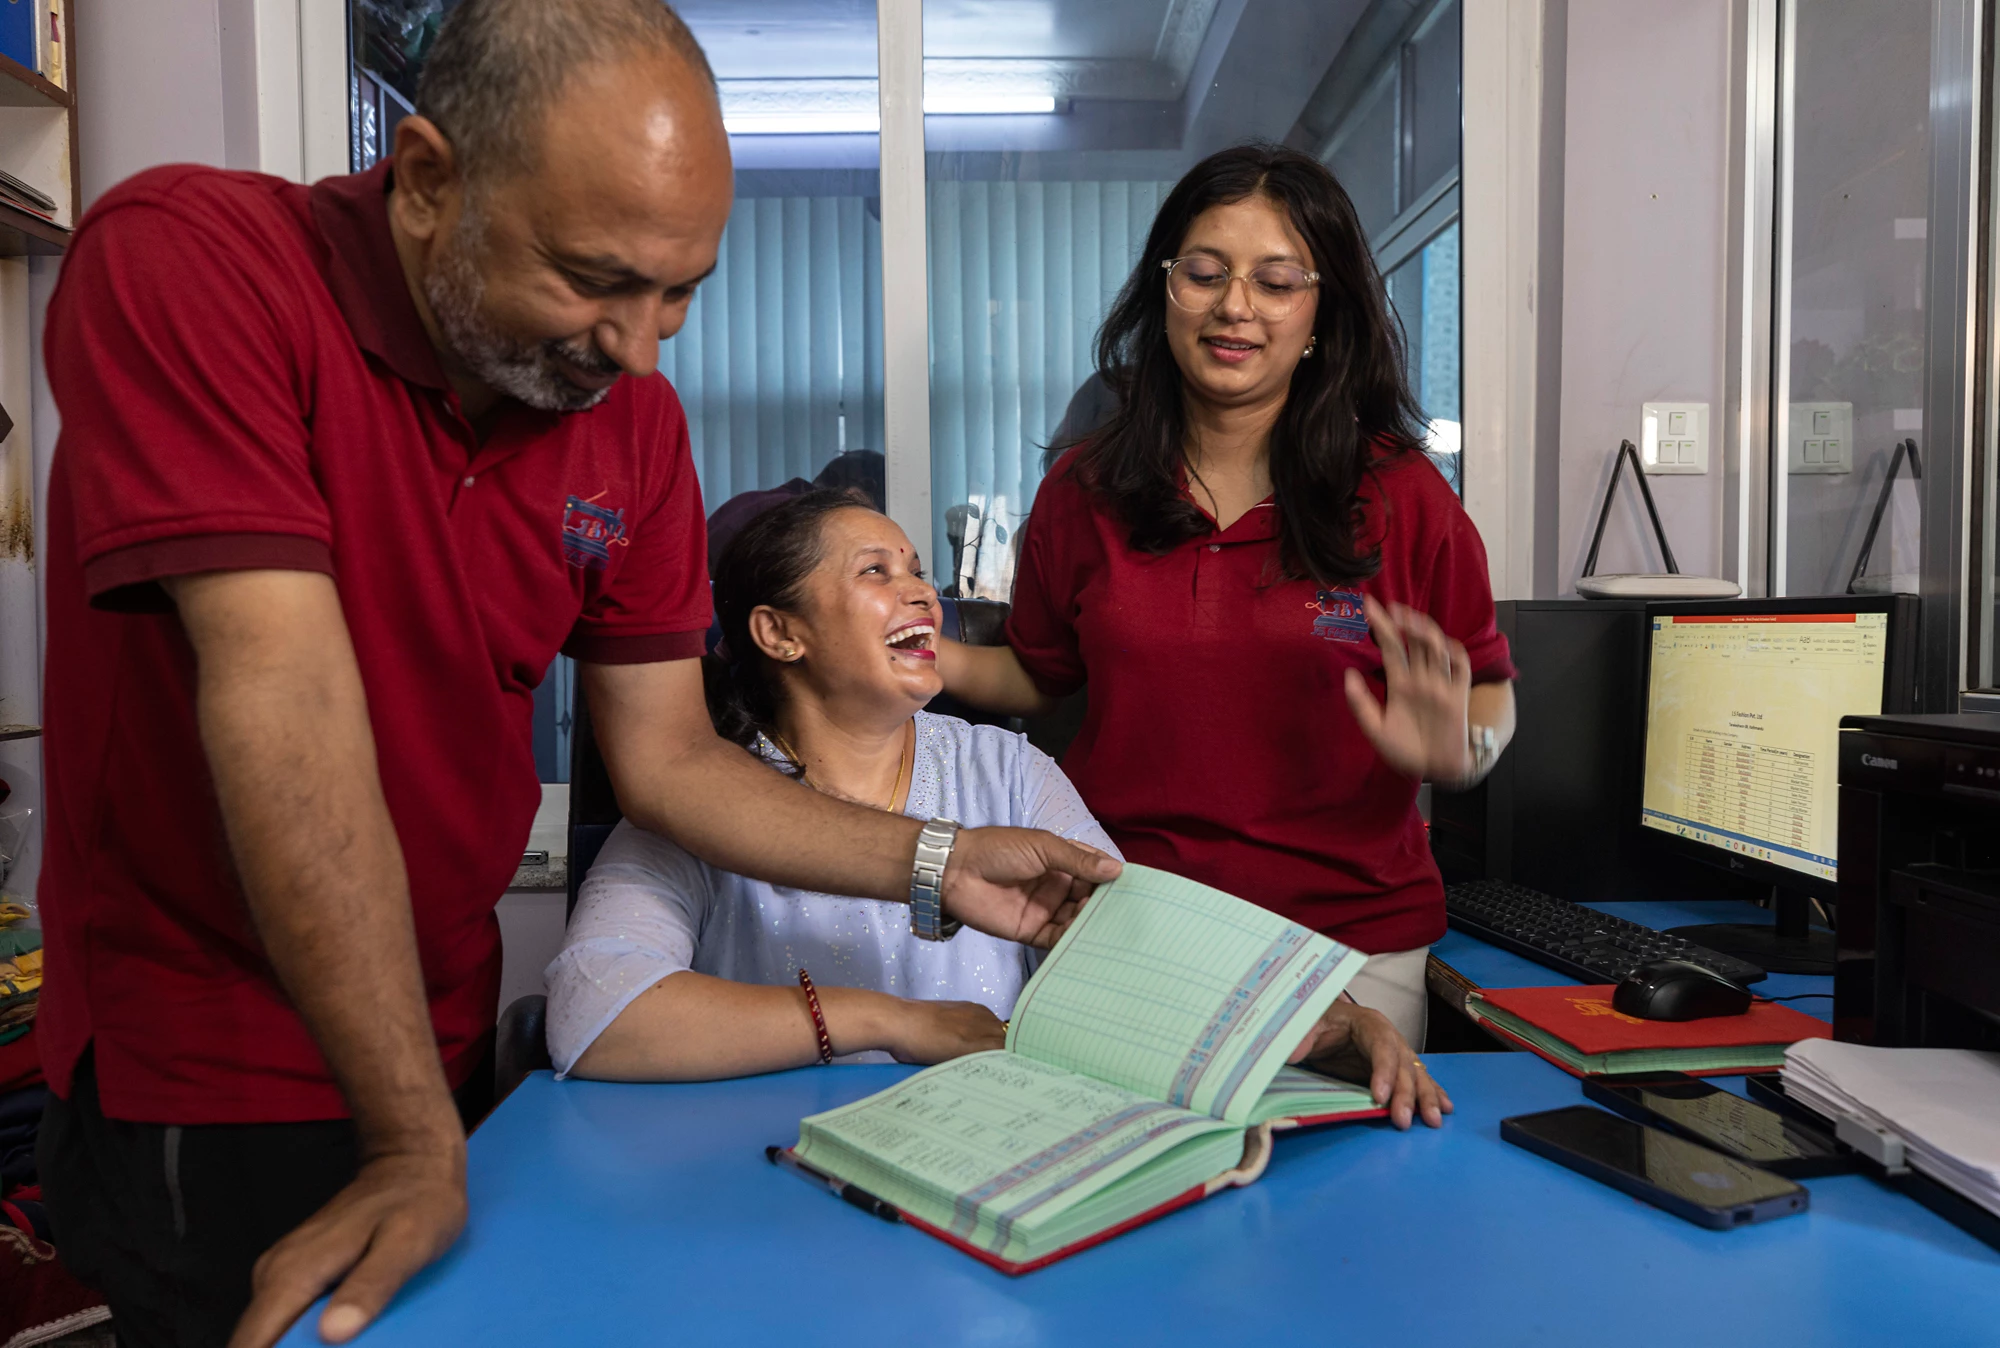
<point x="1311" y="346"/>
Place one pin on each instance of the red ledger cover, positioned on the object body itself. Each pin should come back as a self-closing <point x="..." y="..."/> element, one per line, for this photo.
<point x="1256" y="1154"/>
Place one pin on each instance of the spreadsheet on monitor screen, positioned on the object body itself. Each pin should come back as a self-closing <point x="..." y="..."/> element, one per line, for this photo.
<point x="1743" y="724"/>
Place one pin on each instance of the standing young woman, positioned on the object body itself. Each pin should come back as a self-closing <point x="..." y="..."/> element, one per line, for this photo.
<point x="1280" y="607"/>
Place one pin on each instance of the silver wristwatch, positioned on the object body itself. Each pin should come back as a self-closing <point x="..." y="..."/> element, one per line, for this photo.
<point x="934" y="846"/>
<point x="1483" y="744"/>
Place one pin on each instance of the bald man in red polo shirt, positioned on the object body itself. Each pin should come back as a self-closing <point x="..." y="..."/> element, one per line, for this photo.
<point x="342" y="468"/>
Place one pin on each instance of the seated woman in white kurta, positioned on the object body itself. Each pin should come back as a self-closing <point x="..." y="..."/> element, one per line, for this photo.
<point x="674" y="970"/>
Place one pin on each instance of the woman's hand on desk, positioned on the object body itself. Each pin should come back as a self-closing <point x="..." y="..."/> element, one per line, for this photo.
<point x="1360" y="1045"/>
<point x="1421" y="731"/>
<point x="933" y="1032"/>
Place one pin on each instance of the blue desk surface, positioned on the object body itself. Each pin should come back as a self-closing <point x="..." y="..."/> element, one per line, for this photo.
<point x="1491" y="967"/>
<point x="639" y="1214"/>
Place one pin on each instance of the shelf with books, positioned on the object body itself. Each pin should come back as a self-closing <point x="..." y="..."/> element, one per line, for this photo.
<point x="21" y="87"/>
<point x="25" y="234"/>
<point x="38" y="146"/>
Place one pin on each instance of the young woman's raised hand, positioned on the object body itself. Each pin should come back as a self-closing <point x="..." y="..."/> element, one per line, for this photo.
<point x="1421" y="731"/>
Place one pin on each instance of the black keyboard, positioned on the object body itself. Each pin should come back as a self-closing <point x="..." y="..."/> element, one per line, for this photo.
<point x="1584" y="943"/>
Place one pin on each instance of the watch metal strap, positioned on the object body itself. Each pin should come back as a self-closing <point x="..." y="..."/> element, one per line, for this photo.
<point x="1484" y="742"/>
<point x="934" y="846"/>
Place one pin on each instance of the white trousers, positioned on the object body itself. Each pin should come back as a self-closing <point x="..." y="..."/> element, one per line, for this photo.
<point x="1393" y="983"/>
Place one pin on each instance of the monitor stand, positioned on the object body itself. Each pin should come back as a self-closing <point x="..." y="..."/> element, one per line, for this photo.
<point x="1791" y="945"/>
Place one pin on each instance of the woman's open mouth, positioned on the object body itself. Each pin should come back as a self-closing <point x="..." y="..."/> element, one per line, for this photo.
<point x="1230" y="350"/>
<point x="913" y="640"/>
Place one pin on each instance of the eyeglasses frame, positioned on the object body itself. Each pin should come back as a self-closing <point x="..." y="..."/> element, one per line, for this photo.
<point x="1230" y="278"/>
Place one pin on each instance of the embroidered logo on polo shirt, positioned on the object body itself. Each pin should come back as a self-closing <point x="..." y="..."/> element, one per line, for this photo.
<point x="1338" y="616"/>
<point x="590" y="531"/>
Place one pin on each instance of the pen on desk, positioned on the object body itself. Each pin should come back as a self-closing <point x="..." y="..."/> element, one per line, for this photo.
<point x="859" y="1197"/>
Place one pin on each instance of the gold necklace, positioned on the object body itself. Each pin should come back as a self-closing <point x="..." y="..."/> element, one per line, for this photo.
<point x="903" y="766"/>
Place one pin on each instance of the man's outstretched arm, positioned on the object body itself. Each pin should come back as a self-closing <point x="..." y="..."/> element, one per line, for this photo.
<point x="676" y="777"/>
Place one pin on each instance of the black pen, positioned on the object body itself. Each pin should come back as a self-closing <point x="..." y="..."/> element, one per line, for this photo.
<point x="854" y="1194"/>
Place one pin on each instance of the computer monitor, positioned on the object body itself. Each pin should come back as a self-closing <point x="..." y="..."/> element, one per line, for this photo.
<point x="1743" y="706"/>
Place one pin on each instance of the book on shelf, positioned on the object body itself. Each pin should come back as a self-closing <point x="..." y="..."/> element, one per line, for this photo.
<point x="1145" y="1069"/>
<point x="13" y="187"/>
<point x="49" y="49"/>
<point x="19" y="40"/>
<point x="1579" y="1030"/>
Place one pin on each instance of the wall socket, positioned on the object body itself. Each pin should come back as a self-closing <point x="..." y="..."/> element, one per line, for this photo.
<point x="1673" y="437"/>
<point x="1821" y="438"/>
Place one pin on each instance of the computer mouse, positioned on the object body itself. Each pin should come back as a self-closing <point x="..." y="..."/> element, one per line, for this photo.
<point x="1678" y="990"/>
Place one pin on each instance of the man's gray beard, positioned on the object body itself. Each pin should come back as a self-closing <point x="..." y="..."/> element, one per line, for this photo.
<point x="524" y="371"/>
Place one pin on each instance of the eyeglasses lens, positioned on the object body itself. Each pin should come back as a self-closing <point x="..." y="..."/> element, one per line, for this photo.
<point x="1276" y="290"/>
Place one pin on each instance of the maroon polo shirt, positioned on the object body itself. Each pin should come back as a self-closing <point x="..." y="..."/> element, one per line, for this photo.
<point x="1219" y="743"/>
<point x="244" y="383"/>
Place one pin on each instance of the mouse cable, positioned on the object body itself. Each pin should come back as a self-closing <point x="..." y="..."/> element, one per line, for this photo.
<point x="1795" y="997"/>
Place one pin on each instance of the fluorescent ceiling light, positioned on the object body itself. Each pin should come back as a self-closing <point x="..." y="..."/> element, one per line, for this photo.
<point x="868" y="121"/>
<point x="802" y="123"/>
<point x="958" y="105"/>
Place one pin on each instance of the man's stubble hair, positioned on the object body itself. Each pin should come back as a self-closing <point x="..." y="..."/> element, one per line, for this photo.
<point x="488" y="83"/>
<point x="498" y="66"/>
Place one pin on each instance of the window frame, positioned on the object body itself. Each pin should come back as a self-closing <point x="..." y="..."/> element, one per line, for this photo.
<point x="1956" y="559"/>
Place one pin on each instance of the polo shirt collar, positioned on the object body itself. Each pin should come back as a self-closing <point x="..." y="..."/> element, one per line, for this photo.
<point x="366" y="276"/>
<point x="1257" y="524"/>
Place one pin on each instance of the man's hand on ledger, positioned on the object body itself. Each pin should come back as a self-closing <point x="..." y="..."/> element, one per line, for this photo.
<point x="1360" y="1045"/>
<point x="1021" y="884"/>
<point x="401" y="1212"/>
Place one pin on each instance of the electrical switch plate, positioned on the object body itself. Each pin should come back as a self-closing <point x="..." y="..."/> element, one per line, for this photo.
<point x="1822" y="438"/>
<point x="1673" y="437"/>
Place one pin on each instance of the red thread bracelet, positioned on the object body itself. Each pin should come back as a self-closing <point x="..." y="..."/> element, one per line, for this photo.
<point x="819" y="1020"/>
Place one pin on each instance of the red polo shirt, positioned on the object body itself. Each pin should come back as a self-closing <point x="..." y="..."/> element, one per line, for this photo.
<point x="244" y="383"/>
<point x="1219" y="743"/>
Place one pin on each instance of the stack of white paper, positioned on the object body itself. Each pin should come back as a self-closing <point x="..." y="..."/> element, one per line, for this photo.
<point x="1943" y="1102"/>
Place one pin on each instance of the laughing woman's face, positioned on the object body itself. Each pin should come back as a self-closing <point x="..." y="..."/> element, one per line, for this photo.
<point x="866" y="634"/>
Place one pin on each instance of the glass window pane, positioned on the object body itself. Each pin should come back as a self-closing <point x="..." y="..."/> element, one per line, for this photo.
<point x="1036" y="218"/>
<point x="779" y="365"/>
<point x="1860" y="188"/>
<point x="1364" y="155"/>
<point x="388" y="39"/>
<point x="1431" y="102"/>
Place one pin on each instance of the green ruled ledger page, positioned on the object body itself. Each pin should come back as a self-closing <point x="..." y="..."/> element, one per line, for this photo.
<point x="1152" y="1036"/>
<point x="1016" y="1156"/>
<point x="1179" y="992"/>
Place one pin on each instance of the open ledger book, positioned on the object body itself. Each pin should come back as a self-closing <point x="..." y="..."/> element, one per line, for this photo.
<point x="1144" y="1069"/>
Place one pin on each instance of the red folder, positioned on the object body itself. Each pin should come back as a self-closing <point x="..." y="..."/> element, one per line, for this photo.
<point x="1584" y="1018"/>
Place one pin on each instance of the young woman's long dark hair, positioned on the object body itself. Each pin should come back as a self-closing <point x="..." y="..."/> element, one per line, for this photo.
<point x="1350" y="395"/>
<point x="766" y="563"/>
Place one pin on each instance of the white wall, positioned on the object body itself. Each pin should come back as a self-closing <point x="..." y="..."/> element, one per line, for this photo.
<point x="1645" y="205"/>
<point x="149" y="88"/>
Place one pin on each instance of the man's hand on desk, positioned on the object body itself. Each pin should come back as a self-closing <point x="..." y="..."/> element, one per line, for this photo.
<point x="1360" y="1045"/>
<point x="1022" y="884"/>
<point x="401" y="1212"/>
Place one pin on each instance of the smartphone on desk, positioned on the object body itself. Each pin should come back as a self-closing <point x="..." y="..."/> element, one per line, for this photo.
<point x="1687" y="1179"/>
<point x="1734" y="1126"/>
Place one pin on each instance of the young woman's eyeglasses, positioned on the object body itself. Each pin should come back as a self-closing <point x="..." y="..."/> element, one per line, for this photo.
<point x="1276" y="289"/>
